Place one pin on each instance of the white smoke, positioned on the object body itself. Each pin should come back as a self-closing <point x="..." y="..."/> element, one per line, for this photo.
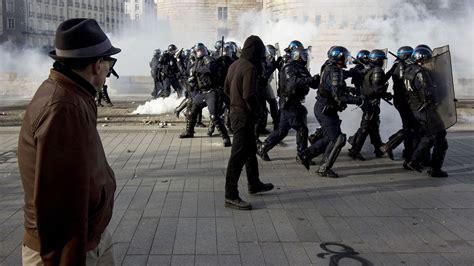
<point x="159" y="106"/>
<point x="405" y="24"/>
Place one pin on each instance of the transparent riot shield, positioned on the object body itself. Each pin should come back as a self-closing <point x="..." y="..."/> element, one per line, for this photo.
<point x="443" y="106"/>
<point x="310" y="56"/>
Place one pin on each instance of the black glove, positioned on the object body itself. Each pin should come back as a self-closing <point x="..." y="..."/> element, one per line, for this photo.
<point x="361" y="100"/>
<point x="316" y="80"/>
<point x="387" y="96"/>
<point x="279" y="61"/>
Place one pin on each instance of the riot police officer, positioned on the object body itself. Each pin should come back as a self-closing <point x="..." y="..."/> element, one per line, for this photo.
<point x="185" y="63"/>
<point x="332" y="97"/>
<point x="374" y="87"/>
<point x="218" y="49"/>
<point x="266" y="90"/>
<point x="419" y="87"/>
<point x="155" y="73"/>
<point x="223" y="63"/>
<point x="295" y="81"/>
<point x="359" y="70"/>
<point x="169" y="72"/>
<point x="203" y="72"/>
<point x="408" y="133"/>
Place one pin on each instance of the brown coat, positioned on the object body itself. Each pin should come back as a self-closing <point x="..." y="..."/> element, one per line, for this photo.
<point x="69" y="186"/>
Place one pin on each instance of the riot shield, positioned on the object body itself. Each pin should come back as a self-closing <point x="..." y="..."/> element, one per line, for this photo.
<point x="310" y="55"/>
<point x="277" y="47"/>
<point x="443" y="109"/>
<point x="385" y="62"/>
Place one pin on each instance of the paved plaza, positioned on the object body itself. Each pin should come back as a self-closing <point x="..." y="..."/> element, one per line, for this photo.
<point x="169" y="207"/>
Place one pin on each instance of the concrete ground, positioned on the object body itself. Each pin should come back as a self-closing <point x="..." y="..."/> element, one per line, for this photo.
<point x="169" y="207"/>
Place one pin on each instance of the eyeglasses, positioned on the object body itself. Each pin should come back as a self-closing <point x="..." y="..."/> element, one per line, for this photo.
<point x="112" y="64"/>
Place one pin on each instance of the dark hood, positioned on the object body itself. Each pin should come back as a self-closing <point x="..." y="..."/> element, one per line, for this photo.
<point x="254" y="51"/>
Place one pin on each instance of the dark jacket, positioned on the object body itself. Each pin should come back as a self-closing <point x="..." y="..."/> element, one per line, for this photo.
<point x="241" y="81"/>
<point x="69" y="186"/>
<point x="295" y="81"/>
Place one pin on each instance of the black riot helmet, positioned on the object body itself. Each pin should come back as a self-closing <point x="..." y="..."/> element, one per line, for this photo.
<point x="363" y="56"/>
<point x="172" y="49"/>
<point x="157" y="52"/>
<point x="270" y="51"/>
<point x="377" y="57"/>
<point x="233" y="47"/>
<point x="295" y="44"/>
<point x="228" y="50"/>
<point x="339" y="55"/>
<point x="330" y="49"/>
<point x="300" y="55"/>
<point x="405" y="52"/>
<point x="420" y="55"/>
<point x="424" y="46"/>
<point x="200" y="50"/>
<point x="218" y="45"/>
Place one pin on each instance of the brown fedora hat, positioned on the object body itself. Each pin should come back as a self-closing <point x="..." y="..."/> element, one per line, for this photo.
<point x="80" y="38"/>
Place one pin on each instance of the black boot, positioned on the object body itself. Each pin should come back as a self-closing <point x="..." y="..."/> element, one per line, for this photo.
<point x="355" y="155"/>
<point x="262" y="187"/>
<point x="211" y="128"/>
<point x="181" y="107"/>
<point x="330" y="156"/>
<point x="262" y="151"/>
<point x="305" y="160"/>
<point x="238" y="204"/>
<point x="223" y="131"/>
<point x="415" y="166"/>
<point x="437" y="173"/>
<point x="384" y="148"/>
<point x="189" y="131"/>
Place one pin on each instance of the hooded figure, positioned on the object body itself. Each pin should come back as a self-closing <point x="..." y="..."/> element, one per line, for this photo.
<point x="241" y="87"/>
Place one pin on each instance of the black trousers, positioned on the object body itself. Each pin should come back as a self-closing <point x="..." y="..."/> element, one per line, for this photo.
<point x="243" y="153"/>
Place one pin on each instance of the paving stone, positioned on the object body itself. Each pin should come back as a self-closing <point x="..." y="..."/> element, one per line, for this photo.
<point x="182" y="260"/>
<point x="226" y="236"/>
<point x="137" y="260"/>
<point x="120" y="250"/>
<point x="264" y="226"/>
<point x="204" y="260"/>
<point x="295" y="253"/>
<point x="244" y="227"/>
<point x="273" y="253"/>
<point x="163" y="242"/>
<point x="189" y="204"/>
<point x="127" y="226"/>
<point x="283" y="226"/>
<point x="206" y="206"/>
<point x="143" y="237"/>
<point x="159" y="260"/>
<point x="229" y="260"/>
<point x="169" y="206"/>
<point x="250" y="254"/>
<point x="185" y="241"/>
<point x="206" y="236"/>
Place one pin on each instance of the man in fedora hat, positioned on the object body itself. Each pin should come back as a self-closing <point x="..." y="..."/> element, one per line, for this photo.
<point x="69" y="186"/>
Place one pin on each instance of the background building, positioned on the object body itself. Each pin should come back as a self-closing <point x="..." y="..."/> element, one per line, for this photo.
<point x="32" y="23"/>
<point x="205" y="20"/>
<point x="138" y="9"/>
<point x="337" y="21"/>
